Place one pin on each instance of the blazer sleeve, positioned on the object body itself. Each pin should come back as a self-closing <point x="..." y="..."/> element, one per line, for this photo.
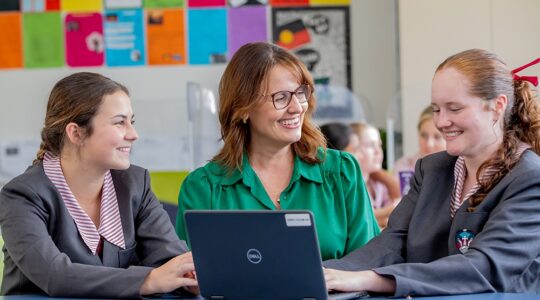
<point x="24" y="217"/>
<point x="156" y="240"/>
<point x="387" y="248"/>
<point x="502" y="257"/>
<point x="196" y="193"/>
<point x="362" y="225"/>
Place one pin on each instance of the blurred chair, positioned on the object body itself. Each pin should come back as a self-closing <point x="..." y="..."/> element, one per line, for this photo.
<point x="166" y="185"/>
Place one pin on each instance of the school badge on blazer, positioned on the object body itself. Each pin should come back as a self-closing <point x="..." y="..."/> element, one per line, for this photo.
<point x="464" y="237"/>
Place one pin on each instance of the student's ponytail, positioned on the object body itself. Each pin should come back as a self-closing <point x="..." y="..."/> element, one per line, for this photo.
<point x="525" y="116"/>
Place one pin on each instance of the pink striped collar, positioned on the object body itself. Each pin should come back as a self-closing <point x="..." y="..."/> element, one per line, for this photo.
<point x="460" y="174"/>
<point x="110" y="227"/>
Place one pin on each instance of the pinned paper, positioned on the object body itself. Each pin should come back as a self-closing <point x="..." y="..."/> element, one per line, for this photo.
<point x="115" y="4"/>
<point x="84" y="40"/>
<point x="33" y="5"/>
<point x="82" y="5"/>
<point x="289" y="2"/>
<point x="238" y="3"/>
<point x="42" y="40"/>
<point x="206" y="3"/>
<point x="164" y="3"/>
<point x="124" y="42"/>
<point x="52" y="5"/>
<point x="10" y="40"/>
<point x="9" y="5"/>
<point x="207" y="36"/>
<point x="166" y="36"/>
<point x="246" y="25"/>
<point x="329" y="2"/>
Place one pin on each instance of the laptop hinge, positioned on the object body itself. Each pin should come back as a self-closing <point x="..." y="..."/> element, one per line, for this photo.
<point x="217" y="297"/>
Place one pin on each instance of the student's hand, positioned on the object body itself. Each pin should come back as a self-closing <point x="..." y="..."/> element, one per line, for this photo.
<point x="176" y="273"/>
<point x="195" y="288"/>
<point x="346" y="281"/>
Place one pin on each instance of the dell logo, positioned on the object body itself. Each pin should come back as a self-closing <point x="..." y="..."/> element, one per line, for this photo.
<point x="254" y="256"/>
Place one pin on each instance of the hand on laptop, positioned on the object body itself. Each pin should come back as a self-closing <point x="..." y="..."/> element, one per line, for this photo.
<point x="346" y="281"/>
<point x="176" y="273"/>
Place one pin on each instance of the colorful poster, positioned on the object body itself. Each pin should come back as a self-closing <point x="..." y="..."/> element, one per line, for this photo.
<point x="10" y="40"/>
<point x="292" y="35"/>
<point x="84" y="40"/>
<point x="82" y="5"/>
<point x="319" y="36"/>
<point x="115" y="4"/>
<point x="246" y="24"/>
<point x="289" y="2"/>
<point x="42" y="40"/>
<point x="163" y="3"/>
<point x="52" y="5"/>
<point x="238" y="3"/>
<point x="330" y="2"/>
<point x="207" y="36"/>
<point x="124" y="41"/>
<point x="166" y="37"/>
<point x="9" y="5"/>
<point x="33" y="5"/>
<point x="206" y="3"/>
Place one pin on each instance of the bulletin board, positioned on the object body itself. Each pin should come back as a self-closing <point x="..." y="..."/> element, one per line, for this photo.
<point x="123" y="33"/>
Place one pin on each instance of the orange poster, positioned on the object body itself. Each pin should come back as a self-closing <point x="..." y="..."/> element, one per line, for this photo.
<point x="166" y="36"/>
<point x="10" y="40"/>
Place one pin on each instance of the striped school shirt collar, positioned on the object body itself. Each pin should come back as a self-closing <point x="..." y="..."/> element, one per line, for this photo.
<point x="110" y="227"/>
<point x="460" y="173"/>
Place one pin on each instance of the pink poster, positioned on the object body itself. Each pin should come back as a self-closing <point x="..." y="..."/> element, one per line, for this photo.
<point x="206" y="3"/>
<point x="84" y="40"/>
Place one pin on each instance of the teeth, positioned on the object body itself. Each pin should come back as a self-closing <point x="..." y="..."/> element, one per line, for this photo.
<point x="290" y="122"/>
<point x="124" y="149"/>
<point x="452" y="133"/>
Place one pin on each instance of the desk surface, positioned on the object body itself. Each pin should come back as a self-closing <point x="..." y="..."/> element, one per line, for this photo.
<point x="488" y="296"/>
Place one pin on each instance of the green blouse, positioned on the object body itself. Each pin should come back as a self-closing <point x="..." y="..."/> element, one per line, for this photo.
<point x="332" y="190"/>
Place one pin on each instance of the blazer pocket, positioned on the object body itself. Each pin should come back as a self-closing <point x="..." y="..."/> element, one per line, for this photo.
<point x="127" y="257"/>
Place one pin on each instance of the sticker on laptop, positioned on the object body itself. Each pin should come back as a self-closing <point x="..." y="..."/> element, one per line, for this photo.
<point x="296" y="220"/>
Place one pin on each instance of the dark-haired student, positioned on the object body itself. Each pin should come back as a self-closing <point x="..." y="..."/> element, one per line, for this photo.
<point x="82" y="221"/>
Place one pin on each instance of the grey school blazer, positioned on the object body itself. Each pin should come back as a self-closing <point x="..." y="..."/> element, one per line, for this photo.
<point x="44" y="252"/>
<point x="418" y="249"/>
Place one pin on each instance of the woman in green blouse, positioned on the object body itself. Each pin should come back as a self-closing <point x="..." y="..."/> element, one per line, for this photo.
<point x="274" y="157"/>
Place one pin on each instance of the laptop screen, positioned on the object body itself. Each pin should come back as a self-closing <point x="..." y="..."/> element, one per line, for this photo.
<point x="256" y="254"/>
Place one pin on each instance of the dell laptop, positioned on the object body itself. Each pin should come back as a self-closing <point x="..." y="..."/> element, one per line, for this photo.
<point x="257" y="255"/>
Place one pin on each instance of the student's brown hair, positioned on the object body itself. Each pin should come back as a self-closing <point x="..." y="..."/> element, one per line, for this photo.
<point x="75" y="98"/>
<point x="488" y="77"/>
<point x="240" y="89"/>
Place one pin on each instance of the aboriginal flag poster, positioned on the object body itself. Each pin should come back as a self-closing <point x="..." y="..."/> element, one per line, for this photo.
<point x="319" y="36"/>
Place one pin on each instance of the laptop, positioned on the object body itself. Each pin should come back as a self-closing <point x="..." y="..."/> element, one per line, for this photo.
<point x="257" y="255"/>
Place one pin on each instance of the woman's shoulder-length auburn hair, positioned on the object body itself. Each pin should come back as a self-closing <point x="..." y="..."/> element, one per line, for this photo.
<point x="242" y="85"/>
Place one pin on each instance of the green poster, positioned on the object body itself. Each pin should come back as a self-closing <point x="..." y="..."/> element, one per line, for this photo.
<point x="43" y="40"/>
<point x="163" y="3"/>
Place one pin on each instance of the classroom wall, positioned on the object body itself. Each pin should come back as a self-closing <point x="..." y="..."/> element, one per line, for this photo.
<point x="159" y="93"/>
<point x="430" y="31"/>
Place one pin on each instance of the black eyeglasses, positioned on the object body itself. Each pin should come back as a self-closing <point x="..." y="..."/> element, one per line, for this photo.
<point x="282" y="99"/>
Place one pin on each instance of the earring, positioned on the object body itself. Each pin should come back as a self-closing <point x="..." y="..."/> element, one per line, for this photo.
<point x="244" y="120"/>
